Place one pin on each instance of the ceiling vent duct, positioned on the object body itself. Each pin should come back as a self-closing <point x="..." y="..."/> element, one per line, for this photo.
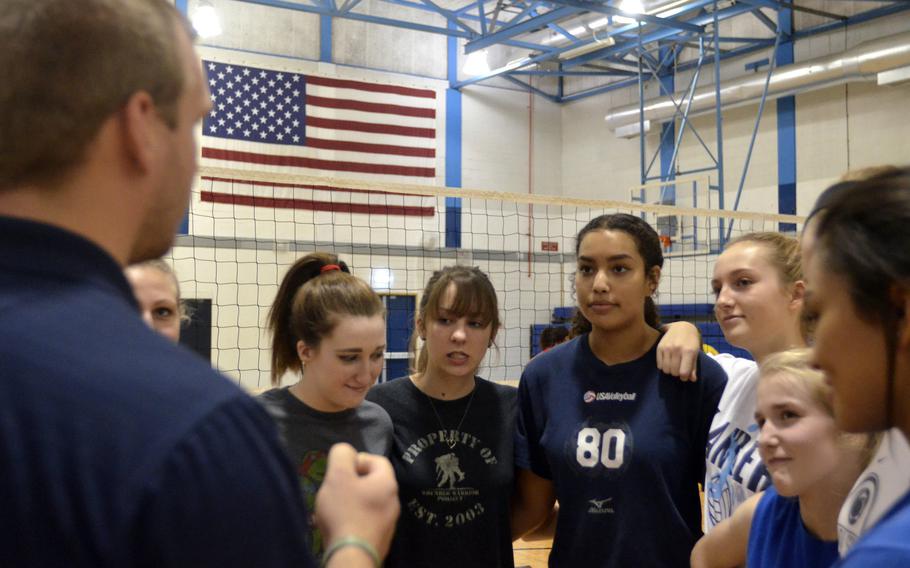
<point x="861" y="63"/>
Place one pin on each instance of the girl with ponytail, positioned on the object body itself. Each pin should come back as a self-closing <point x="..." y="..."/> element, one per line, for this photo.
<point x="599" y="428"/>
<point x="328" y="330"/>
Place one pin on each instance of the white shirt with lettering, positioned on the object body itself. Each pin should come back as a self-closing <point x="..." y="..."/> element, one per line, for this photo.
<point x="879" y="486"/>
<point x="733" y="468"/>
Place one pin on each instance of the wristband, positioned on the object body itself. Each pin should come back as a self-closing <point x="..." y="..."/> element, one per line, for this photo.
<point x="352" y="541"/>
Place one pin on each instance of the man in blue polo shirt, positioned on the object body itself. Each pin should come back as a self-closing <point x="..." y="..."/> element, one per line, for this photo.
<point x="118" y="448"/>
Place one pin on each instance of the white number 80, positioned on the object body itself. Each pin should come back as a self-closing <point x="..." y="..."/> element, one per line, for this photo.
<point x="607" y="448"/>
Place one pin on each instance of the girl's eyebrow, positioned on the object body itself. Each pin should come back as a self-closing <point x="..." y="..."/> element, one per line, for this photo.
<point x="612" y="258"/>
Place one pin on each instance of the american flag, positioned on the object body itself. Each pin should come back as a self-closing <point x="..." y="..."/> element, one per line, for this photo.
<point x="286" y="122"/>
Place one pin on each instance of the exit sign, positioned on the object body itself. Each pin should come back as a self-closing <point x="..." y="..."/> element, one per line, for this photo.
<point x="549" y="246"/>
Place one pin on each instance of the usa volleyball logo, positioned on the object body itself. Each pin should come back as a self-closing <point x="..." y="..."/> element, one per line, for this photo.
<point x="590" y="396"/>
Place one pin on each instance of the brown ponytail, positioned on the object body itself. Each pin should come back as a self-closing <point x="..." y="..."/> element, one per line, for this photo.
<point x="315" y="291"/>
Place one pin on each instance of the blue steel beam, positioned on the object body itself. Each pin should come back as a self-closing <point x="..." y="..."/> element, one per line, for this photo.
<point x="448" y="15"/>
<point x="785" y="17"/>
<point x="613" y="11"/>
<point x="768" y="22"/>
<point x="658" y="35"/>
<point x="535" y="90"/>
<point x="359" y="17"/>
<point x="855" y="19"/>
<point x="562" y="31"/>
<point x="552" y="54"/>
<point x="482" y="14"/>
<point x="348" y="5"/>
<point x="512" y="30"/>
<point x="526" y="12"/>
<point x="287" y="5"/>
<point x="786" y="129"/>
<point x="616" y="73"/>
<point x="719" y="121"/>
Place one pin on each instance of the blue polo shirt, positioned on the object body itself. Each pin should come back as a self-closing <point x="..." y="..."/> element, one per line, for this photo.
<point x="118" y="448"/>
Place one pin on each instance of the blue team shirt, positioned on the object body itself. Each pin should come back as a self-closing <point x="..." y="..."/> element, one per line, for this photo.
<point x="117" y="447"/>
<point x="887" y="544"/>
<point x="625" y="448"/>
<point x="779" y="539"/>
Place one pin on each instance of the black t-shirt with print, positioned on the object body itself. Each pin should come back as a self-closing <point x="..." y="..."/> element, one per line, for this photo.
<point x="454" y="483"/>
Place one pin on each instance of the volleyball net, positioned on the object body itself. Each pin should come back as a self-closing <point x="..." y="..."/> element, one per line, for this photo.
<point x="246" y="228"/>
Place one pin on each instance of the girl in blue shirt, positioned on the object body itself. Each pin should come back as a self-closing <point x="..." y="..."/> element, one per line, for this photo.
<point x="812" y="465"/>
<point x="599" y="428"/>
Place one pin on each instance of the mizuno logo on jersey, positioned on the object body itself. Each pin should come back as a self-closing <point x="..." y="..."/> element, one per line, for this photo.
<point x="600" y="506"/>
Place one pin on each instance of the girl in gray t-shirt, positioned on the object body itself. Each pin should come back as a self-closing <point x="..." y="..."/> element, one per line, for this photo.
<point x="328" y="328"/>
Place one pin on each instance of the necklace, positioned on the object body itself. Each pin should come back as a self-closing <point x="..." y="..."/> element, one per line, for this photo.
<point x="451" y="443"/>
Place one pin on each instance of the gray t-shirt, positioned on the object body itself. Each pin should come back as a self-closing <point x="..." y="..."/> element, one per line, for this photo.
<point x="308" y="434"/>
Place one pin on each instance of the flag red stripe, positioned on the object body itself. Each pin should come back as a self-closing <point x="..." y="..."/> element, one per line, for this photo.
<point x="374" y="128"/>
<point x="346" y="104"/>
<point x="311" y="205"/>
<point x="370" y="148"/>
<point x="372" y="87"/>
<point x="316" y="187"/>
<point x="315" y="163"/>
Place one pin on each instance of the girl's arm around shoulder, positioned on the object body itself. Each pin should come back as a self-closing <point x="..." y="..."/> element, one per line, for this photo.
<point x="713" y="377"/>
<point x="726" y="546"/>
<point x="678" y="349"/>
<point x="532" y="501"/>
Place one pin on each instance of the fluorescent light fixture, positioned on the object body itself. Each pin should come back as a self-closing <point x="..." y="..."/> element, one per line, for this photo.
<point x="632" y="7"/>
<point x="381" y="278"/>
<point x="476" y="63"/>
<point x="205" y="20"/>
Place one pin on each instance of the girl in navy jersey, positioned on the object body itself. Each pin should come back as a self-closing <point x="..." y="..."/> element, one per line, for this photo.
<point x="453" y="433"/>
<point x="812" y="464"/>
<point x="599" y="428"/>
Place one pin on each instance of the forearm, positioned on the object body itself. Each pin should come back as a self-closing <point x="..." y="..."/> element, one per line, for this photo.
<point x="532" y="501"/>
<point x="351" y="557"/>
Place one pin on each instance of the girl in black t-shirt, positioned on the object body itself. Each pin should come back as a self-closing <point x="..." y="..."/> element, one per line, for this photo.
<point x="452" y="432"/>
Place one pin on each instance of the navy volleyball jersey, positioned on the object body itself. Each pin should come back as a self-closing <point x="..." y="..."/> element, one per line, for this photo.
<point x="625" y="448"/>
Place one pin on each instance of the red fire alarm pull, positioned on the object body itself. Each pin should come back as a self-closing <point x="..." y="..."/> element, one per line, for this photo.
<point x="549" y="246"/>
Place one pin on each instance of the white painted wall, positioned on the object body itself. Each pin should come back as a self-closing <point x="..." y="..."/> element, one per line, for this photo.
<point x="838" y="128"/>
<point x="507" y="147"/>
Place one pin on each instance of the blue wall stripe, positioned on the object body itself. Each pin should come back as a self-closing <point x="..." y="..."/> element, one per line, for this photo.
<point x="325" y="39"/>
<point x="786" y="129"/>
<point x="453" y="147"/>
<point x="453" y="167"/>
<point x="184" y="228"/>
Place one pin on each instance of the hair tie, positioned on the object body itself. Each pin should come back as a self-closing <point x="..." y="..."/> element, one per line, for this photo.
<point x="329" y="268"/>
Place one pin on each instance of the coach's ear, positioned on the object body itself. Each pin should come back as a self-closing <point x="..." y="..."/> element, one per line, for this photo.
<point x="900" y="296"/>
<point x="140" y="122"/>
